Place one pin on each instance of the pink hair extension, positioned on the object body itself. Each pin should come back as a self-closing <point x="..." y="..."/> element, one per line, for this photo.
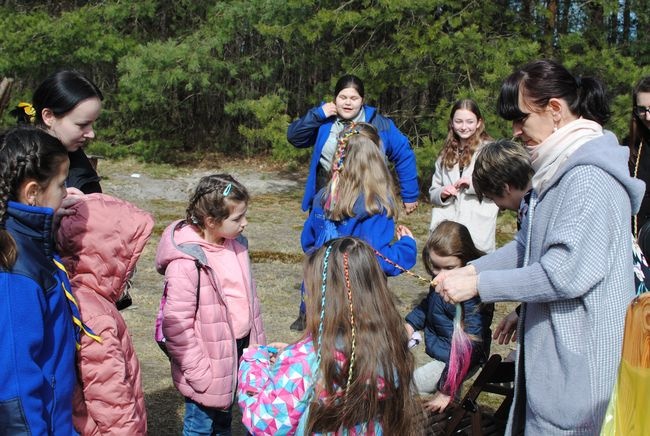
<point x="460" y="355"/>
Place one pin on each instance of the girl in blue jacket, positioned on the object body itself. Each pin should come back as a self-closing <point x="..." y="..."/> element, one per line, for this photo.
<point x="321" y="126"/>
<point x="358" y="201"/>
<point x="449" y="246"/>
<point x="37" y="350"/>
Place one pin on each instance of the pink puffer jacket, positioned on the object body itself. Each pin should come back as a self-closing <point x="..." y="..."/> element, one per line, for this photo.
<point x="100" y="246"/>
<point x="202" y="346"/>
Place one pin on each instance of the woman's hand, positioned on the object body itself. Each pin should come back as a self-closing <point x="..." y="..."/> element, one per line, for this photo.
<point x="457" y="285"/>
<point x="438" y="403"/>
<point x="506" y="331"/>
<point x="410" y="207"/>
<point x="72" y="197"/>
<point x="462" y="183"/>
<point x="402" y="231"/>
<point x="448" y="191"/>
<point x="329" y="108"/>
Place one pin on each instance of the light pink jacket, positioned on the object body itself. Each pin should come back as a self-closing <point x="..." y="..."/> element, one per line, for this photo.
<point x="100" y="246"/>
<point x="203" y="348"/>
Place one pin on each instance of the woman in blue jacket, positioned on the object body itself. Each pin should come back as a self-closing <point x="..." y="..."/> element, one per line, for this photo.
<point x="321" y="126"/>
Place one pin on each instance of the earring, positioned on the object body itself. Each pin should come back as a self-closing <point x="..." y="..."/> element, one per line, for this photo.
<point x="554" y="128"/>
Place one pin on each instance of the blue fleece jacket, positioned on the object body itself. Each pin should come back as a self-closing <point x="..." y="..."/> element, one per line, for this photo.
<point x="314" y="128"/>
<point x="37" y="351"/>
<point x="436" y="318"/>
<point x="377" y="230"/>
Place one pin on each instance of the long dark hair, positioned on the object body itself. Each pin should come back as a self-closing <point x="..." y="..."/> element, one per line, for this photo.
<point x="638" y="131"/>
<point x="357" y="297"/>
<point x="26" y="153"/>
<point x="62" y="92"/>
<point x="541" y="80"/>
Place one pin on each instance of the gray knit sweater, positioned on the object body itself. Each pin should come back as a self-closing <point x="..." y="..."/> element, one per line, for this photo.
<point x="576" y="287"/>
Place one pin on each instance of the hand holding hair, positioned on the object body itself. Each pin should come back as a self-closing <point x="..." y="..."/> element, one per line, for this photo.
<point x="457" y="285"/>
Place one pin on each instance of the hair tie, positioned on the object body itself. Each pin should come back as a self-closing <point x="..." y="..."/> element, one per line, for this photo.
<point x="28" y="109"/>
<point x="337" y="163"/>
<point x="322" y="302"/>
<point x="346" y="269"/>
<point x="578" y="82"/>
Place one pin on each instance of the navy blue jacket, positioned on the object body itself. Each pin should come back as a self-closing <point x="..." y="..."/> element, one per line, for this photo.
<point x="37" y="349"/>
<point x="314" y="128"/>
<point x="436" y="318"/>
<point x="377" y="230"/>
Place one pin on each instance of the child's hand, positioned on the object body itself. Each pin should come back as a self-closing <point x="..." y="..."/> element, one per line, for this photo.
<point x="448" y="191"/>
<point x="329" y="108"/>
<point x="410" y="207"/>
<point x="438" y="403"/>
<point x="506" y="331"/>
<point x="73" y="196"/>
<point x="409" y="329"/>
<point x="402" y="231"/>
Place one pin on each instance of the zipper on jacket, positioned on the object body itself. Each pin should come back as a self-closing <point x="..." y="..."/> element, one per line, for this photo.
<point x="53" y="409"/>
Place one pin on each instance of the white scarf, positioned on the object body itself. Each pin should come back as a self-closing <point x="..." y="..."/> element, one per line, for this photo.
<point x="550" y="155"/>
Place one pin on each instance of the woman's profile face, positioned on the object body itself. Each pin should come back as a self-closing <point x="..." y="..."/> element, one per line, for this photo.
<point x="75" y="128"/>
<point x="348" y="103"/>
<point x="643" y="102"/>
<point x="536" y="126"/>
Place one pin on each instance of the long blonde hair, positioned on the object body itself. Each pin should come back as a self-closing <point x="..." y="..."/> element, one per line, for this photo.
<point x="360" y="168"/>
<point x="350" y="310"/>
<point x="452" y="153"/>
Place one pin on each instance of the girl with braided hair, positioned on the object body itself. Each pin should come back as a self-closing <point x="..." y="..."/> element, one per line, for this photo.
<point x="358" y="201"/>
<point x="351" y="372"/>
<point x="211" y="310"/>
<point x="37" y="351"/>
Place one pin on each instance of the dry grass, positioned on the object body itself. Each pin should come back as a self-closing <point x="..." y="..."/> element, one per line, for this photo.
<point x="273" y="233"/>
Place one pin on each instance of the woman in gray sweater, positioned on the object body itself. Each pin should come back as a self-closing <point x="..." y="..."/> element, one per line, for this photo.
<point x="571" y="262"/>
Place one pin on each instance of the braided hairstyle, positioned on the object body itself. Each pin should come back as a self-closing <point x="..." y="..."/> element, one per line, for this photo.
<point x="215" y="196"/>
<point x="26" y="153"/>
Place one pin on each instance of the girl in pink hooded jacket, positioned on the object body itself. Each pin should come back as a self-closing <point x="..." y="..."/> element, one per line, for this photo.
<point x="100" y="245"/>
<point x="211" y="312"/>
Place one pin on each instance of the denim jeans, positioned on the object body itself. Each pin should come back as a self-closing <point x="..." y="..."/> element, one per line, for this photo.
<point x="203" y="420"/>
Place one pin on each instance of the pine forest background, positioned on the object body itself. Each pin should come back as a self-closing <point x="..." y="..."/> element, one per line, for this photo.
<point x="187" y="77"/>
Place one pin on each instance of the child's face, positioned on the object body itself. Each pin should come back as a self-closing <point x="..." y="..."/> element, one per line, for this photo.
<point x="442" y="263"/>
<point x="348" y="103"/>
<point x="53" y="194"/>
<point x="229" y="228"/>
<point x="465" y="123"/>
<point x="510" y="200"/>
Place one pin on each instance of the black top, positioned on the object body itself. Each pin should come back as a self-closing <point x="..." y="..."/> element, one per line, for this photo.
<point x="82" y="175"/>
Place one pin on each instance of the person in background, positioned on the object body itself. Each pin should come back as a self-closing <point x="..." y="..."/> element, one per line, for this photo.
<point x="66" y="105"/>
<point x="451" y="192"/>
<point x="37" y="351"/>
<point x="100" y="245"/>
<point x="320" y="128"/>
<point x="638" y="141"/>
<point x="571" y="263"/>
<point x="449" y="246"/>
<point x="351" y="372"/>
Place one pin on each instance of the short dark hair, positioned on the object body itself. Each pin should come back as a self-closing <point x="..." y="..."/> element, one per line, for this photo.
<point x="349" y="81"/>
<point x="542" y="80"/>
<point x="499" y="163"/>
<point x="62" y="92"/>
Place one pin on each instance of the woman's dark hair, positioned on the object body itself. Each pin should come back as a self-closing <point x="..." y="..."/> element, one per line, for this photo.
<point x="62" y="92"/>
<point x="638" y="131"/>
<point x="26" y="153"/>
<point x="349" y="81"/>
<point x="541" y="80"/>
<point x="214" y="197"/>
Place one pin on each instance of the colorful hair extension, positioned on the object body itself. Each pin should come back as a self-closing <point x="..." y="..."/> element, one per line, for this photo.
<point x="337" y="165"/>
<point x="353" y="327"/>
<point x="322" y="309"/>
<point x="461" y="345"/>
<point x="459" y="356"/>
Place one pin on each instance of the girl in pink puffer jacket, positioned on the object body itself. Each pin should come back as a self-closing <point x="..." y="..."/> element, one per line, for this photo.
<point x="100" y="245"/>
<point x="206" y="331"/>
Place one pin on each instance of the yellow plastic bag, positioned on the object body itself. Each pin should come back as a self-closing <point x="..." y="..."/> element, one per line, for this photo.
<point x="628" y="413"/>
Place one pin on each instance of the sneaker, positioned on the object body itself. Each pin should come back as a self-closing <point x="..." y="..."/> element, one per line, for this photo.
<point x="300" y="323"/>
